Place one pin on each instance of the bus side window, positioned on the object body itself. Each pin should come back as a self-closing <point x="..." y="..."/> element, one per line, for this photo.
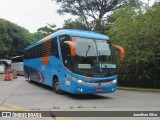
<point x="63" y="38"/>
<point x="46" y="48"/>
<point x="66" y="56"/>
<point x="54" y="47"/>
<point x="29" y="55"/>
<point x="35" y="52"/>
<point x="65" y="51"/>
<point x="39" y="50"/>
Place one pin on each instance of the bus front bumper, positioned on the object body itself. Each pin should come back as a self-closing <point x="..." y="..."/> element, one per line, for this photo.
<point x="78" y="88"/>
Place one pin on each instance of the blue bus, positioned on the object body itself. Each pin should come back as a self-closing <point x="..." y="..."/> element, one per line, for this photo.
<point x="74" y="61"/>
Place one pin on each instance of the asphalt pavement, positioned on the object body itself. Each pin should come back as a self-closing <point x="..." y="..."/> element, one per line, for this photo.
<point x="20" y="95"/>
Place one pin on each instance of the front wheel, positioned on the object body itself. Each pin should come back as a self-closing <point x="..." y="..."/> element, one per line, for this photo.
<point x="56" y="87"/>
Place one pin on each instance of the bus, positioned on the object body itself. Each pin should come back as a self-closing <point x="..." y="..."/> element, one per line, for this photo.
<point x="17" y="64"/>
<point x="74" y="61"/>
<point x="4" y="64"/>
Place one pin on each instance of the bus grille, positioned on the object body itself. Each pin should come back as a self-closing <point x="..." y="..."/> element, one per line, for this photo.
<point x="97" y="84"/>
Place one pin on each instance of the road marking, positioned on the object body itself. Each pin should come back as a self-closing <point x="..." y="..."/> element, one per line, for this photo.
<point x="10" y="109"/>
<point x="7" y="106"/>
<point x="63" y="118"/>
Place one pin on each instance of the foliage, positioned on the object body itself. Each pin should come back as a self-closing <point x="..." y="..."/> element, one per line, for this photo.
<point x="46" y="30"/>
<point x="138" y="31"/>
<point x="91" y="12"/>
<point x="74" y="24"/>
<point x="13" y="39"/>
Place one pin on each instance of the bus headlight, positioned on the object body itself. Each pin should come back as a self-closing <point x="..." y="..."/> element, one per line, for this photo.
<point x="114" y="81"/>
<point x="80" y="81"/>
<point x="77" y="80"/>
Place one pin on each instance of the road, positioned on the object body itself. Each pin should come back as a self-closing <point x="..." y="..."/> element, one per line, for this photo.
<point x="20" y="95"/>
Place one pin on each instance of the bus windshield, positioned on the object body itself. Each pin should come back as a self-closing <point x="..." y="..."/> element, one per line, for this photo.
<point x="93" y="55"/>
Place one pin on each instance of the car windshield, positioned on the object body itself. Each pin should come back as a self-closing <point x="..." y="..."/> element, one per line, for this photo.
<point x="93" y="55"/>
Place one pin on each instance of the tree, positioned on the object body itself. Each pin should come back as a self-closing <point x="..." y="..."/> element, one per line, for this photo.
<point x="46" y="30"/>
<point x="5" y="39"/>
<point x="138" y="32"/>
<point x="74" y="24"/>
<point x="96" y="10"/>
<point x="13" y="39"/>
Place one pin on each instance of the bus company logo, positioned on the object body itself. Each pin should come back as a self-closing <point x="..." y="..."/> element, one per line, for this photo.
<point x="99" y="84"/>
<point x="6" y="114"/>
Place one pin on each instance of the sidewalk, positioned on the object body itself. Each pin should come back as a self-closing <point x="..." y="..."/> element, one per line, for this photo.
<point x="2" y="77"/>
<point x="19" y="77"/>
<point x="138" y="89"/>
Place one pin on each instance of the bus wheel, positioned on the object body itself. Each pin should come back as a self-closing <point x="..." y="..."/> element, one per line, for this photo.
<point x="56" y="87"/>
<point x="29" y="79"/>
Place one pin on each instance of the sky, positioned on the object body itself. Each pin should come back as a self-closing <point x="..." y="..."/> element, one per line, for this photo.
<point x="33" y="14"/>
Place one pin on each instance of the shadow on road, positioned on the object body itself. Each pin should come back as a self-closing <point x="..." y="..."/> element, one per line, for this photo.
<point x="40" y="85"/>
<point x="73" y="96"/>
<point x="87" y="96"/>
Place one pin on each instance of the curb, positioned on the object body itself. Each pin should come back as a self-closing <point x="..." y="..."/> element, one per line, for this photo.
<point x="138" y="89"/>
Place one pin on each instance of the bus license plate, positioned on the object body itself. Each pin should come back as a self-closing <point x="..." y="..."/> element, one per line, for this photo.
<point x="99" y="90"/>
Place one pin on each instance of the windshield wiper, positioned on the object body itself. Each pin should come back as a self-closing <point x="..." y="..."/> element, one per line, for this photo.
<point x="100" y="60"/>
<point x="88" y="50"/>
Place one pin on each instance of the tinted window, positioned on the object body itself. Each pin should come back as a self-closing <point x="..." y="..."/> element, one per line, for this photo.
<point x="54" y="47"/>
<point x="63" y="38"/>
<point x="17" y="59"/>
<point x="47" y="48"/>
<point x="65" y="51"/>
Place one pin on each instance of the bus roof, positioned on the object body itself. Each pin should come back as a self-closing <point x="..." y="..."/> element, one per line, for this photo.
<point x="5" y="60"/>
<point x="72" y="32"/>
<point x="17" y="56"/>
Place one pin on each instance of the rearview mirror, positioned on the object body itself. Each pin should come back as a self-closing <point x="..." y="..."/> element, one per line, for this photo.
<point x="72" y="47"/>
<point x="122" y="52"/>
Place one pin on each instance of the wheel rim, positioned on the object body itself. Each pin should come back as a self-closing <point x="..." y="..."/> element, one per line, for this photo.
<point x="57" y="86"/>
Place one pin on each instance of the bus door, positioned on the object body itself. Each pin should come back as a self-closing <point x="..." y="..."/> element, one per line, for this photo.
<point x="54" y="64"/>
<point x="66" y="59"/>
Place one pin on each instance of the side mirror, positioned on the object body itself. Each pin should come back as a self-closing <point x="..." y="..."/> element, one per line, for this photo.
<point x="122" y="52"/>
<point x="72" y="47"/>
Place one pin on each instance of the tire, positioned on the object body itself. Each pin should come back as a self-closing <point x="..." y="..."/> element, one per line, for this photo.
<point x="56" y="86"/>
<point x="29" y="79"/>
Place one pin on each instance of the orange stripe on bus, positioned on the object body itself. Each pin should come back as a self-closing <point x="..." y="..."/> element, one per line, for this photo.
<point x="87" y="77"/>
